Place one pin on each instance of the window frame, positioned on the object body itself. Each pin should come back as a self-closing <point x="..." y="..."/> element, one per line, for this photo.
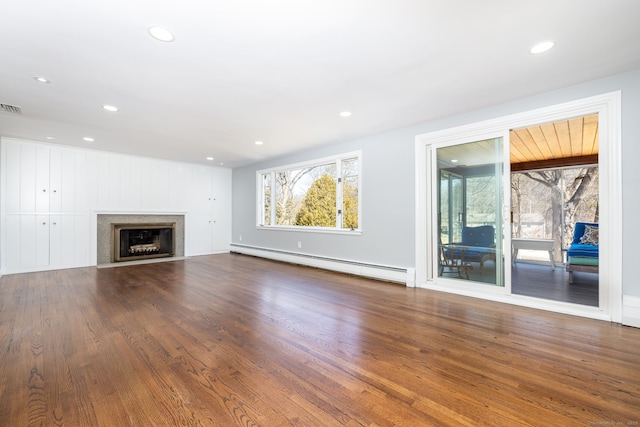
<point x="337" y="229"/>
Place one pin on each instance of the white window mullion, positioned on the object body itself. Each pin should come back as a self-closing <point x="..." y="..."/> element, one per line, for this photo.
<point x="339" y="184"/>
<point x="272" y="211"/>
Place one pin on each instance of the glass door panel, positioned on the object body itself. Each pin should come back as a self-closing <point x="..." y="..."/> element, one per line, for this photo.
<point x="451" y="207"/>
<point x="469" y="212"/>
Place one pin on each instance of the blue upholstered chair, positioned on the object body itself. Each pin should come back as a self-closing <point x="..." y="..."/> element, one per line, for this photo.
<point x="583" y="253"/>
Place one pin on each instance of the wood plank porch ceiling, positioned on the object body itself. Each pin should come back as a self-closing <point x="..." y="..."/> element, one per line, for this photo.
<point x="564" y="139"/>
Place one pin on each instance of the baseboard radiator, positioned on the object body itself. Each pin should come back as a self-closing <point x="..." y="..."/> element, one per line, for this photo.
<point x="374" y="271"/>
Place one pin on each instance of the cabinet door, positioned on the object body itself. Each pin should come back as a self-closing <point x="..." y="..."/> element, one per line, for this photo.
<point x="43" y="190"/>
<point x="221" y="210"/>
<point x="56" y="235"/>
<point x="13" y="254"/>
<point x="221" y="237"/>
<point x="27" y="242"/>
<point x="199" y="234"/>
<point x="63" y="179"/>
<point x="27" y="177"/>
<point x="201" y="189"/>
<point x="69" y="241"/>
<point x="15" y="186"/>
<point x="44" y="179"/>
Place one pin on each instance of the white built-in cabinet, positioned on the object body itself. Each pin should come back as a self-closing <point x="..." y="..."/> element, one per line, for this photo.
<point x="46" y="207"/>
<point x="41" y="241"/>
<point x="209" y="219"/>
<point x="51" y="194"/>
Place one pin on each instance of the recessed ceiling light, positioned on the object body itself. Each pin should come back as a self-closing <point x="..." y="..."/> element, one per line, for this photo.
<point x="40" y="79"/>
<point x="209" y="158"/>
<point x="454" y="160"/>
<point x="258" y="142"/>
<point x="161" y="33"/>
<point x="221" y="164"/>
<point x="50" y="137"/>
<point x="542" y="47"/>
<point x="111" y="108"/>
<point x="88" y="139"/>
<point x="345" y="114"/>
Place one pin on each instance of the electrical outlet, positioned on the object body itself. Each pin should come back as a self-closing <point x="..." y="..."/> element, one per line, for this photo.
<point x="241" y="237"/>
<point x="299" y="244"/>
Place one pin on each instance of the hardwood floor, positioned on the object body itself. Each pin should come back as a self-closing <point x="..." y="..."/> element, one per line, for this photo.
<point x="228" y="340"/>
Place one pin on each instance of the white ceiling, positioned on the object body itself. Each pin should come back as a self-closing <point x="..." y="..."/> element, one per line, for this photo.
<point x="281" y="71"/>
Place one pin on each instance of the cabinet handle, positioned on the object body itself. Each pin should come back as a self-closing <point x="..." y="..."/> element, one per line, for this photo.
<point x="54" y="223"/>
<point x="44" y="223"/>
<point x="44" y="190"/>
<point x="55" y="191"/>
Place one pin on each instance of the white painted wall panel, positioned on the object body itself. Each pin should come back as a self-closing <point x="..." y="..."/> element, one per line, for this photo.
<point x="178" y="185"/>
<point x="109" y="178"/>
<point x="102" y="181"/>
<point x="158" y="185"/>
<point x="86" y="195"/>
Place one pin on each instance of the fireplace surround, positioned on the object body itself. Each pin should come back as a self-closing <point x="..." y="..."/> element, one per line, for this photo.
<point x="105" y="243"/>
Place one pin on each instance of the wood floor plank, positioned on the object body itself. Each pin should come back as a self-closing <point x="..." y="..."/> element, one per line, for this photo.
<point x="231" y="340"/>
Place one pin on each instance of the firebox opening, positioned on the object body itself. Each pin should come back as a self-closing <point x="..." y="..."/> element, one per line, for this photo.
<point x="143" y="241"/>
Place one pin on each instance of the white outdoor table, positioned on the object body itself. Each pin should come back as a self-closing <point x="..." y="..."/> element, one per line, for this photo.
<point x="532" y="245"/>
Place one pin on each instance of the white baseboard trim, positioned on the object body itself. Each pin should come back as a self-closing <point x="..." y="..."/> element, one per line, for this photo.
<point x="631" y="311"/>
<point x="381" y="272"/>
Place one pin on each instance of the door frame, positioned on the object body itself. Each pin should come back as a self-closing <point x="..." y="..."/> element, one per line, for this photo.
<point x="608" y="108"/>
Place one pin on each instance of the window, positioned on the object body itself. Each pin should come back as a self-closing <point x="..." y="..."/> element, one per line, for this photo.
<point x="318" y="195"/>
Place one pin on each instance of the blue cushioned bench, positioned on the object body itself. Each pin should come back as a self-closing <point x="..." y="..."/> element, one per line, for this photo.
<point x="477" y="245"/>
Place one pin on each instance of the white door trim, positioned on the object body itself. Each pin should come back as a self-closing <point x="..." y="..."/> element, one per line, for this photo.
<point x="608" y="108"/>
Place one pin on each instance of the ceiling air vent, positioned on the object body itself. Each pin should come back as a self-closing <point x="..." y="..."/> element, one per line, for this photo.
<point x="6" y="108"/>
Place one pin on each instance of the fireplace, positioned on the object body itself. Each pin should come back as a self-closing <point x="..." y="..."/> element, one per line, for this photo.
<point x="142" y="241"/>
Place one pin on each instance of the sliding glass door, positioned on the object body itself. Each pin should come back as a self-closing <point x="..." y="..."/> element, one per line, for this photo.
<point x="469" y="212"/>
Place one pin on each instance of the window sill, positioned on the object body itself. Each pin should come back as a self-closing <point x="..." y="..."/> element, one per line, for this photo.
<point x="322" y="230"/>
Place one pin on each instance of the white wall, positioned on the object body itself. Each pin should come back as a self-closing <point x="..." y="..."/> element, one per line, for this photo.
<point x="45" y="186"/>
<point x="388" y="174"/>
